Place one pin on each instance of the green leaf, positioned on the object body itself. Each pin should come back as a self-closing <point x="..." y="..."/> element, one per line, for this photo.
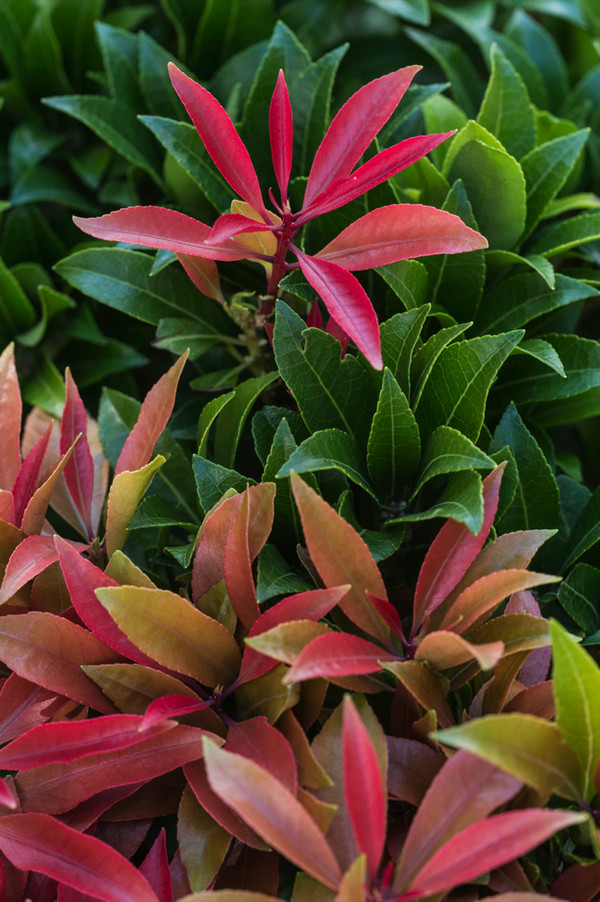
<point x="213" y="480"/>
<point x="178" y="335"/>
<point x="563" y="236"/>
<point x="506" y="110"/>
<point x="232" y="419"/>
<point x="114" y="123"/>
<point x="544" y="352"/>
<point x="275" y="577"/>
<point x="457" y="67"/>
<point x="585" y="532"/>
<point x="265" y="424"/>
<point x="449" y="451"/>
<point x="541" y="48"/>
<point x="495" y="185"/>
<point x="462" y="500"/>
<point x="455" y="393"/>
<point x="456" y="280"/>
<point x="546" y="169"/>
<point x="120" y="278"/>
<point x="539" y="264"/>
<point x="16" y="311"/>
<point x="427" y="355"/>
<point x="416" y="11"/>
<point x="328" y="449"/>
<point x="16" y="17"/>
<point x="224" y="29"/>
<point x="310" y="96"/>
<point x="399" y="335"/>
<point x="536" y="502"/>
<point x="530" y="748"/>
<point x="576" y="685"/>
<point x="330" y="392"/>
<point x="156" y="512"/>
<point x="408" y="280"/>
<point x="394" y="447"/>
<point x="578" y="596"/>
<point x="154" y="81"/>
<point x="183" y="141"/>
<point x="44" y="183"/>
<point x="44" y="57"/>
<point x="283" y="446"/>
<point x="525" y="296"/>
<point x="120" y="56"/>
<point x="45" y="387"/>
<point x="209" y="413"/>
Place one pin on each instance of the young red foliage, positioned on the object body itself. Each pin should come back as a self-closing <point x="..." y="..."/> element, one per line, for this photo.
<point x="79" y="470"/>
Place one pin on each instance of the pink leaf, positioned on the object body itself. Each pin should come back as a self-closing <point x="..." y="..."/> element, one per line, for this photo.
<point x="237" y="567"/>
<point x="378" y="169"/>
<point x="336" y="655"/>
<point x="281" y="134"/>
<point x="224" y="145"/>
<point x="28" y="475"/>
<point x="41" y="843"/>
<point x="62" y="742"/>
<point x="364" y="790"/>
<point x="160" y="228"/>
<point x="23" y="705"/>
<point x="79" y="469"/>
<point x="153" y="417"/>
<point x="400" y="232"/>
<point x="257" y="740"/>
<point x="155" y="868"/>
<point x="347" y="302"/>
<point x="452" y="552"/>
<point x="170" y="706"/>
<point x="6" y="796"/>
<point x="204" y="274"/>
<point x="489" y="844"/>
<point x="10" y="417"/>
<point x="29" y="558"/>
<point x="353" y="129"/>
<point x="231" y="224"/>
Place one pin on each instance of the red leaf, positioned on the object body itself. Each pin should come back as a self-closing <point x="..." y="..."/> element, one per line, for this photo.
<point x="171" y="706"/>
<point x="237" y="567"/>
<point x="6" y="796"/>
<point x="347" y="302"/>
<point x="62" y="742"/>
<point x="82" y="578"/>
<point x="56" y="788"/>
<point x="400" y="232"/>
<point x="489" y="844"/>
<point x="23" y="705"/>
<point x="281" y="134"/>
<point x="231" y="224"/>
<point x="337" y="655"/>
<point x="378" y="169"/>
<point x="161" y="228"/>
<point x="79" y="469"/>
<point x="204" y="274"/>
<point x="218" y="133"/>
<point x="451" y="553"/>
<point x="353" y="129"/>
<point x="155" y="868"/>
<point x="257" y="740"/>
<point x="10" y="417"/>
<point x="41" y="843"/>
<point x="364" y="789"/>
<point x="28" y="475"/>
<point x="29" y="558"/>
<point x="578" y="883"/>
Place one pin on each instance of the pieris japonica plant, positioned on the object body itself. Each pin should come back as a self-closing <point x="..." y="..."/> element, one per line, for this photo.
<point x="252" y="231"/>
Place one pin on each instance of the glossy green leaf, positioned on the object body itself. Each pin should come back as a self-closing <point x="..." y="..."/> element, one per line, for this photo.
<point x="209" y="414"/>
<point x="230" y="422"/>
<point x="461" y="500"/>
<point x="328" y="449"/>
<point x="576" y="680"/>
<point x="16" y="311"/>
<point x="399" y="336"/>
<point x="449" y="451"/>
<point x="456" y="65"/>
<point x="408" y="280"/>
<point x="426" y="356"/>
<point x="532" y="749"/>
<point x="546" y="169"/>
<point x="544" y="352"/>
<point x="539" y="264"/>
<point x="579" y="594"/>
<point x="525" y="296"/>
<point x="506" y="110"/>
<point x="394" y="446"/>
<point x="567" y="234"/>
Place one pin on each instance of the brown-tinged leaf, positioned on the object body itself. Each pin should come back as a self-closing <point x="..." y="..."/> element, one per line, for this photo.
<point x="55" y="788"/>
<point x="153" y="417"/>
<point x="127" y="490"/>
<point x="537" y="700"/>
<point x="170" y="630"/>
<point x="321" y="812"/>
<point x="23" y="705"/>
<point x="353" y="886"/>
<point x="424" y="686"/>
<point x="464" y="791"/>
<point x="50" y="650"/>
<point x="79" y="470"/>
<point x="237" y="567"/>
<point x="272" y="811"/>
<point x="442" y="650"/>
<point x="32" y="521"/>
<point x="10" y="417"/>
<point x="257" y="740"/>
<point x="287" y="640"/>
<point x="530" y="748"/>
<point x="578" y="883"/>
<point x="310" y="772"/>
<point x="31" y="557"/>
<point x="411" y="768"/>
<point x="202" y="842"/>
<point x="341" y="557"/>
<point x="268" y="696"/>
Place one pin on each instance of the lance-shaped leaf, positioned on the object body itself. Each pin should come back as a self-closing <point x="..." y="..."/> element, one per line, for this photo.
<point x="281" y="134"/>
<point x="224" y="145"/>
<point x="43" y="844"/>
<point x="56" y="788"/>
<point x="364" y="788"/>
<point x="153" y="417"/>
<point x="28" y="475"/>
<point x="10" y="417"/>
<point x="171" y="706"/>
<point x="126" y="492"/>
<point x="378" y="169"/>
<point x="412" y="766"/>
<point x="79" y="470"/>
<point x="232" y="224"/>
<point x="335" y="655"/>
<point x="579" y="883"/>
<point x="479" y="600"/>
<point x="237" y="566"/>
<point x="341" y="557"/>
<point x="464" y="791"/>
<point x="530" y="748"/>
<point x="174" y="633"/>
<point x="24" y="705"/>
<point x="50" y="650"/>
<point x="204" y="274"/>
<point x="160" y="228"/>
<point x="400" y="232"/>
<point x="29" y="558"/>
<point x="353" y="129"/>
<point x="82" y="578"/>
<point x="53" y="743"/>
<point x="452" y="551"/>
<point x="270" y="809"/>
<point x="6" y="796"/>
<point x="576" y="679"/>
<point x="155" y="868"/>
<point x="490" y="844"/>
<point x="347" y="302"/>
<point x="34" y="514"/>
<point x="442" y="650"/>
<point x="424" y="686"/>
